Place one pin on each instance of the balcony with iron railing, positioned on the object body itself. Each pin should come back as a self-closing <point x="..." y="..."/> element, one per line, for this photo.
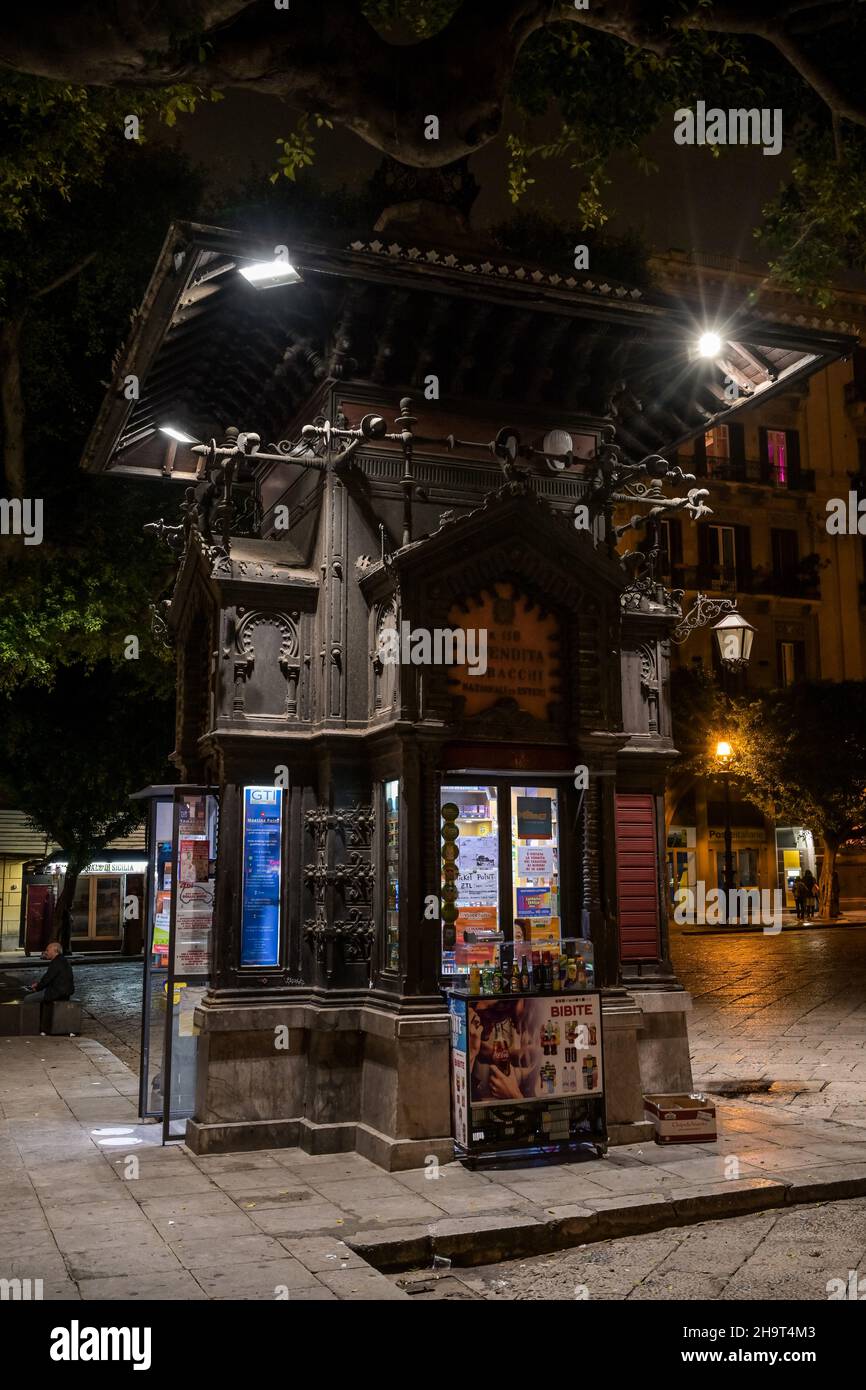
<point x="730" y="579"/>
<point x="755" y="471"/>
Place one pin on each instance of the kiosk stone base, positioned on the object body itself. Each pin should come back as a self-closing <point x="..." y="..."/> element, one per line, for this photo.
<point x="324" y="1079"/>
<point x="363" y="1079"/>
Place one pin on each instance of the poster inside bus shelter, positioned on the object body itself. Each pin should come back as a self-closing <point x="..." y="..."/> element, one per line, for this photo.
<point x="196" y="884"/>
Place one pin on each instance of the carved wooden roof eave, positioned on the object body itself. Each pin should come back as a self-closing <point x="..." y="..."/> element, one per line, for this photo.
<point x="264" y="570"/>
<point x="234" y="578"/>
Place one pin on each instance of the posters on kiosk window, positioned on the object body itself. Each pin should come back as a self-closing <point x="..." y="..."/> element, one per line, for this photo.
<point x="527" y="1048"/>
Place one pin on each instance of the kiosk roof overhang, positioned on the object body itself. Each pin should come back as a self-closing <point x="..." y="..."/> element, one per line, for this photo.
<point x="207" y="349"/>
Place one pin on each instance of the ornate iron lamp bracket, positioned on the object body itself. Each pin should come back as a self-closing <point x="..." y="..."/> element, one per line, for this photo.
<point x="704" y="610"/>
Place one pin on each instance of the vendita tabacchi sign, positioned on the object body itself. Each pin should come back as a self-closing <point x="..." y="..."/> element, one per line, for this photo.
<point x="528" y="1048"/>
<point x="522" y="652"/>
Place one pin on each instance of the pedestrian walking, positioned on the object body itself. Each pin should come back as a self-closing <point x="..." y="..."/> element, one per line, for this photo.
<point x="811" y="887"/>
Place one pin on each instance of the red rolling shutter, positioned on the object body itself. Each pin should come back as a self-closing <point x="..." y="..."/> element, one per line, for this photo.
<point x="637" y="877"/>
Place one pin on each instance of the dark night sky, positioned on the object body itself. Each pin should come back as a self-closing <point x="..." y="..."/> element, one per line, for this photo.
<point x="695" y="201"/>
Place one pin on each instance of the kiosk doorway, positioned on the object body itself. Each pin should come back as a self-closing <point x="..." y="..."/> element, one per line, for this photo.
<point x="501" y="868"/>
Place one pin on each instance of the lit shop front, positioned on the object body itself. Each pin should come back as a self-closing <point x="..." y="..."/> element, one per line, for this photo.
<point x="107" y="905"/>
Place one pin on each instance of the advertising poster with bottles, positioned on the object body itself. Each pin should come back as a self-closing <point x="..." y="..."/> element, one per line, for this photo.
<point x="533" y="1048"/>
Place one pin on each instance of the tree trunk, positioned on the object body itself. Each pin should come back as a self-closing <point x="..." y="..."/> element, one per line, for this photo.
<point x="828" y="899"/>
<point x="62" y="927"/>
<point x="12" y="405"/>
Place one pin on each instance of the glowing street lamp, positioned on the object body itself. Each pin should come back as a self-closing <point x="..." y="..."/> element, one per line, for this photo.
<point x="734" y="637"/>
<point x="264" y="275"/>
<point x="709" y="345"/>
<point x="177" y="434"/>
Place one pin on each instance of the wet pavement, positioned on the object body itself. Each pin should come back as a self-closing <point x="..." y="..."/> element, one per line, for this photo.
<point x="93" y="1205"/>
<point x="780" y="1018"/>
<point x="788" y="1011"/>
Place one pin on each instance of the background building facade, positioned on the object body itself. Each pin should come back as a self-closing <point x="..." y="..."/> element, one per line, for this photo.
<point x="772" y="469"/>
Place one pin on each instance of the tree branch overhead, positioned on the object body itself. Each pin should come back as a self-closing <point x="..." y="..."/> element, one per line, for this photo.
<point x="328" y="58"/>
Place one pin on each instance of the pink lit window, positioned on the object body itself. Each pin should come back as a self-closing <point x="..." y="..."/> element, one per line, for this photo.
<point x="777" y="453"/>
<point x="716" y="443"/>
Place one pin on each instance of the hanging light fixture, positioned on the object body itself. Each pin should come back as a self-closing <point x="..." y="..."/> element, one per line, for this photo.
<point x="734" y="637"/>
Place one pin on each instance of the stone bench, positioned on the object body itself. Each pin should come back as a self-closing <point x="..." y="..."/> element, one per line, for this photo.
<point x="18" y="1017"/>
<point x="61" y="1016"/>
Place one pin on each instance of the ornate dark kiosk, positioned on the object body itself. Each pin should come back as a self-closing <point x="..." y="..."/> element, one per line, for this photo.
<point x="463" y="443"/>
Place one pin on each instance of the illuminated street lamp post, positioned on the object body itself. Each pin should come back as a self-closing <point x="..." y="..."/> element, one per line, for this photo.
<point x="734" y="637"/>
<point x="724" y="753"/>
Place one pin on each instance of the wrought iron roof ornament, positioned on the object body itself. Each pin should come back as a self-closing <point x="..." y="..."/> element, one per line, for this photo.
<point x="210" y="512"/>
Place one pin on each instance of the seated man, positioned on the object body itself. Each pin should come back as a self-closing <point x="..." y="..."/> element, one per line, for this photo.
<point x="57" y="982"/>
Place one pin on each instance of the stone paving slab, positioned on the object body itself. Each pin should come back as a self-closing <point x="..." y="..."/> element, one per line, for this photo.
<point x="98" y="1208"/>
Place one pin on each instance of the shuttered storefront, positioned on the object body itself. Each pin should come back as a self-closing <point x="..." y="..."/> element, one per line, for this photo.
<point x="637" y="877"/>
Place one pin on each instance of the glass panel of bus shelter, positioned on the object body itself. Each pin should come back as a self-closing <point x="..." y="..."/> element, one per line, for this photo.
<point x="470" y="877"/>
<point x="156" y="956"/>
<point x="535" y="865"/>
<point x="192" y="946"/>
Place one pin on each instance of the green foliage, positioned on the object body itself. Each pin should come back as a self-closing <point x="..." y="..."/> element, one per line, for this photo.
<point x="74" y="598"/>
<point x="607" y="98"/>
<point x="583" y="97"/>
<point x="57" y="138"/>
<point x="801" y="754"/>
<point x="71" y="757"/>
<point x="817" y="224"/>
<point x="299" y="148"/>
<point x="423" y="18"/>
<point x="699" y="718"/>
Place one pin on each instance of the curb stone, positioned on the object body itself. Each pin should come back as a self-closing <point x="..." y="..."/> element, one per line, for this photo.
<point x="492" y="1239"/>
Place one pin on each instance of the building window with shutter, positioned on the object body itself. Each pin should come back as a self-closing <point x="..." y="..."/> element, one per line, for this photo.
<point x="717" y="451"/>
<point x="786" y="559"/>
<point x="723" y="557"/>
<point x="671" y="548"/>
<point x="777" y="457"/>
<point x="791" y="661"/>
